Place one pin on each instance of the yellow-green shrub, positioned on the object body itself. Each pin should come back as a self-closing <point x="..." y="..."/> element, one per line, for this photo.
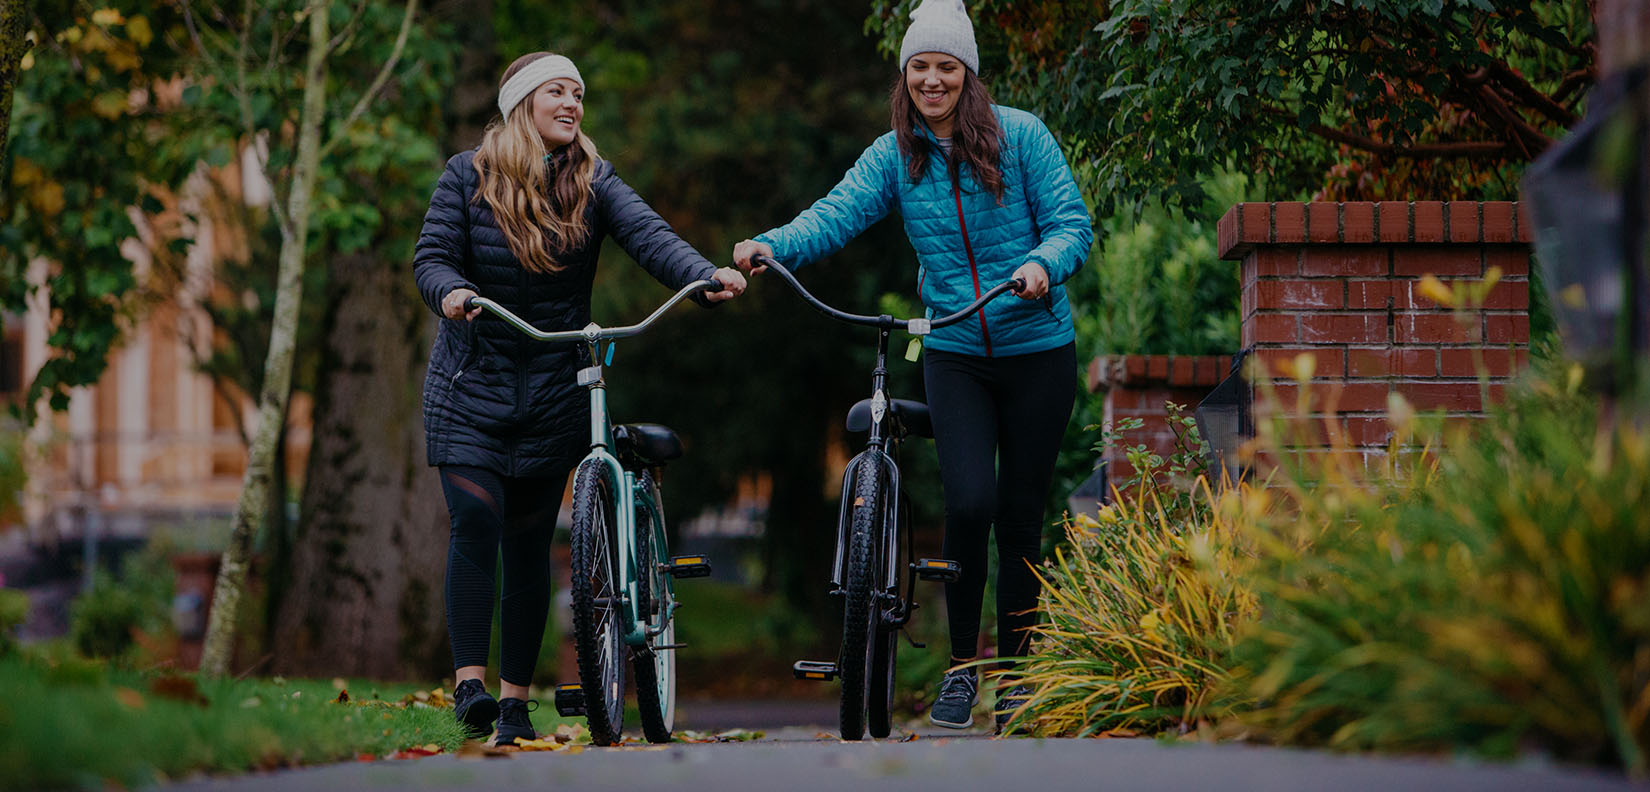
<point x="1141" y="608"/>
<point x="1500" y="604"/>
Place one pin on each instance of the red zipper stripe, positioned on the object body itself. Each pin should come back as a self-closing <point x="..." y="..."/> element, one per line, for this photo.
<point x="973" y="269"/>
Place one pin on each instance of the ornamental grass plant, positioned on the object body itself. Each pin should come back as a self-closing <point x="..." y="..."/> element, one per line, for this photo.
<point x="1497" y="603"/>
<point x="1484" y="590"/>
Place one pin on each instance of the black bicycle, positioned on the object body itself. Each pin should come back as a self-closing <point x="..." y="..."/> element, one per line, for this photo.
<point x="873" y="540"/>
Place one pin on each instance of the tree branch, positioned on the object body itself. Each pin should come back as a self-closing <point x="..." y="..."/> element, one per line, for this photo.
<point x="1531" y="96"/>
<point x="365" y="101"/>
<point x="1529" y="139"/>
<point x="349" y="28"/>
<point x="1465" y="148"/>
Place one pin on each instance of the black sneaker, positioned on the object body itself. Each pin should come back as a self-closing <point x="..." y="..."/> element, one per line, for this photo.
<point x="513" y="722"/>
<point x="954" y="706"/>
<point x="475" y="708"/>
<point x="1009" y="703"/>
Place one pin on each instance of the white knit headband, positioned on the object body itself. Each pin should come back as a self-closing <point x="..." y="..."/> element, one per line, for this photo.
<point x="534" y="75"/>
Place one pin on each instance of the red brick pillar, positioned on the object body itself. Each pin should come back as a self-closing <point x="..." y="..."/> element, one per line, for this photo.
<point x="1339" y="281"/>
<point x="1138" y="386"/>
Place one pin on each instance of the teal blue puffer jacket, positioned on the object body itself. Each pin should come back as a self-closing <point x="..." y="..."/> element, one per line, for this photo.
<point x="965" y="242"/>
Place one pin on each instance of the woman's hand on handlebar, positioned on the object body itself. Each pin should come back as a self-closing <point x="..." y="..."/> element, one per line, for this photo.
<point x="733" y="285"/>
<point x="745" y="253"/>
<point x="452" y="306"/>
<point x="1036" y="280"/>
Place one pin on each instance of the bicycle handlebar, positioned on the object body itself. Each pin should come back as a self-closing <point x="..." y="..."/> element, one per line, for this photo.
<point x="912" y="326"/>
<point x="593" y="332"/>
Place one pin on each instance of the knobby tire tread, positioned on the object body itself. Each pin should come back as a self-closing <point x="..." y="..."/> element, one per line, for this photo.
<point x="591" y="493"/>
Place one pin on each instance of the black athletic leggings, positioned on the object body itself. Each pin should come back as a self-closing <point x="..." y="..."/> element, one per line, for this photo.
<point x="490" y="512"/>
<point x="997" y="427"/>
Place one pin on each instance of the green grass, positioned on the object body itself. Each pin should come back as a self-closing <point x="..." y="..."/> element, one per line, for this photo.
<point x="74" y="723"/>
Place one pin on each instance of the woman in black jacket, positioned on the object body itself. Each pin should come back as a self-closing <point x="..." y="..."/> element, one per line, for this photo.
<point x="520" y="220"/>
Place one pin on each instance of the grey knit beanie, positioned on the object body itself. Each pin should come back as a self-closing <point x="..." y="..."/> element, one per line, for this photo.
<point x="941" y="26"/>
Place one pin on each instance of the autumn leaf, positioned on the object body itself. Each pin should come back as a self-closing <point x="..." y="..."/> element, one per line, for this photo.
<point x="342" y="697"/>
<point x="178" y="688"/>
<point x="130" y="698"/>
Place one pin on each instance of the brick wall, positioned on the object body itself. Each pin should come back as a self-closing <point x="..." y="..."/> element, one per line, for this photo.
<point x="1340" y="282"/>
<point x="1137" y="386"/>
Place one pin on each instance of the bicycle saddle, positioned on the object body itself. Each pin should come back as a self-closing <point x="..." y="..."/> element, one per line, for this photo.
<point x="650" y="444"/>
<point x="911" y="415"/>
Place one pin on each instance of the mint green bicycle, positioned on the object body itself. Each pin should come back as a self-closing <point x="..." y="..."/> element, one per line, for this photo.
<point x="624" y="595"/>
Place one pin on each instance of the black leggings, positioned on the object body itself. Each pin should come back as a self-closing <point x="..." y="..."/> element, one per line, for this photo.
<point x="997" y="427"/>
<point x="490" y="511"/>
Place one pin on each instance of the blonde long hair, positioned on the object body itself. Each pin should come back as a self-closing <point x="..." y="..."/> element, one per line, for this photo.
<point x="514" y="166"/>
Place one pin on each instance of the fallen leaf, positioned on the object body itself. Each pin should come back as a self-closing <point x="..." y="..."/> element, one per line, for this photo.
<point x="130" y="698"/>
<point x="342" y="697"/>
<point x="472" y="749"/>
<point x="539" y="745"/>
<point x="909" y="737"/>
<point x="365" y="757"/>
<point x="178" y="688"/>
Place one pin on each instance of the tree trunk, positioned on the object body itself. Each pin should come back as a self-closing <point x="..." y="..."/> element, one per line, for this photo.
<point x="370" y="551"/>
<point x="14" y="22"/>
<point x="252" y="506"/>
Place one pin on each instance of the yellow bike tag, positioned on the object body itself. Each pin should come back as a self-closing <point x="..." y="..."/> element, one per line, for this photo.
<point x="913" y="349"/>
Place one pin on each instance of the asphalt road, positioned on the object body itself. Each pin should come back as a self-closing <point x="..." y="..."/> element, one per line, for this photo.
<point x="801" y="758"/>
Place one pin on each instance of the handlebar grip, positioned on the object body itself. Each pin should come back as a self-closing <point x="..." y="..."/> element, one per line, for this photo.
<point x="1019" y="285"/>
<point x="714" y="285"/>
<point x="469" y="304"/>
<point x="764" y="261"/>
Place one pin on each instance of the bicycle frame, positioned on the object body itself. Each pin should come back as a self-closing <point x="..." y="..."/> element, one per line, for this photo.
<point x="602" y="446"/>
<point x="880" y="439"/>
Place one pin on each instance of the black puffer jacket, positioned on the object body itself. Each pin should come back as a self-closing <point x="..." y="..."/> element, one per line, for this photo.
<point x="494" y="398"/>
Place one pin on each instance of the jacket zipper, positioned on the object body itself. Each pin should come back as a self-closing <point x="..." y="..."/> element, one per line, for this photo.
<point x="973" y="269"/>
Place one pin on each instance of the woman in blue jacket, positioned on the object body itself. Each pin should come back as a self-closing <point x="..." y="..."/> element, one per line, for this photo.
<point x="985" y="195"/>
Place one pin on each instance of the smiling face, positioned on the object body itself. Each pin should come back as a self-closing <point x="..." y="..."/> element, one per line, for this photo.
<point x="558" y="108"/>
<point x="935" y="80"/>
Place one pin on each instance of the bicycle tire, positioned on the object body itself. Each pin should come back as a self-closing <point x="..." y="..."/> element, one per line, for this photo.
<point x="655" y="669"/>
<point x="598" y="627"/>
<point x="859" y="616"/>
<point x="885" y="644"/>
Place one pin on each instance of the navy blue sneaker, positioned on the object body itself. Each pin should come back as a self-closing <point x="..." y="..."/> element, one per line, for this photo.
<point x="475" y="708"/>
<point x="513" y="723"/>
<point x="954" y="706"/>
<point x="1009" y="703"/>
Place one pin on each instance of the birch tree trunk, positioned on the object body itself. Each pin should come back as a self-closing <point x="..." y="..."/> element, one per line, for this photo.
<point x="251" y="510"/>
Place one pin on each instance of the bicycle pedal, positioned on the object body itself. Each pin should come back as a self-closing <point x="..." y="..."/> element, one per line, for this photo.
<point x="570" y="700"/>
<point x="816" y="670"/>
<point x="689" y="566"/>
<point x="938" y="569"/>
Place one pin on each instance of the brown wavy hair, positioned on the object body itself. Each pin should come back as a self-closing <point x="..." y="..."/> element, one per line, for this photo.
<point x="514" y="167"/>
<point x="976" y="140"/>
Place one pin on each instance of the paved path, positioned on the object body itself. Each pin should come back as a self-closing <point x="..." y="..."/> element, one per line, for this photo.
<point x="802" y="757"/>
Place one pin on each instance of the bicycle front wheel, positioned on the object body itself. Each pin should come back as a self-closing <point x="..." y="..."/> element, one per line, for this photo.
<point x="655" y="667"/>
<point x="860" y="611"/>
<point x="885" y="642"/>
<point x="598" y="608"/>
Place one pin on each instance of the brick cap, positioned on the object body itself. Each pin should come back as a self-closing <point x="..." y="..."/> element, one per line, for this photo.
<point x="1247" y="225"/>
<point x="1138" y="371"/>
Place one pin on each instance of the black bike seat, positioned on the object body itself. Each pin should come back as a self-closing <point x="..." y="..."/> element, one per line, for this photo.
<point x="911" y="415"/>
<point x="650" y="444"/>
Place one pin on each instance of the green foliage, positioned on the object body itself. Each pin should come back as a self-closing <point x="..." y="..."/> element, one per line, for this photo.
<point x="14" y="609"/>
<point x="1155" y="94"/>
<point x="105" y="620"/>
<point x="1496" y="606"/>
<point x="1158" y="287"/>
<point x="13" y="475"/>
<point x="73" y="725"/>
<point x="81" y="155"/>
